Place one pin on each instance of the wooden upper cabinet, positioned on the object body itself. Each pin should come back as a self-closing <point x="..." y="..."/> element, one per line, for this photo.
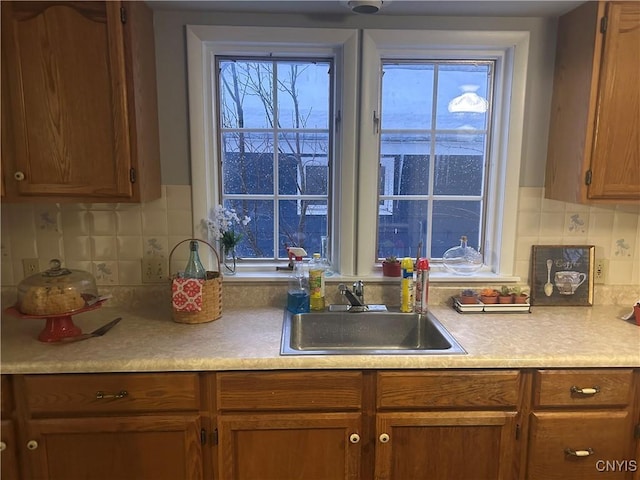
<point x="594" y="136"/>
<point x="81" y="106"/>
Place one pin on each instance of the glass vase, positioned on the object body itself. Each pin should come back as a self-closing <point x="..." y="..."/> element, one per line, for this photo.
<point x="229" y="259"/>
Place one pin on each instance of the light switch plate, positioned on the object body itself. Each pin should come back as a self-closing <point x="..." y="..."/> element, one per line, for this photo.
<point x="600" y="269"/>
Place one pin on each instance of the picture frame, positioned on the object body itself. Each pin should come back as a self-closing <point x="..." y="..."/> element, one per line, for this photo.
<point x="562" y="275"/>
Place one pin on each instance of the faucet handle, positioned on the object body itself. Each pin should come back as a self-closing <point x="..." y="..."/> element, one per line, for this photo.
<point x="358" y="288"/>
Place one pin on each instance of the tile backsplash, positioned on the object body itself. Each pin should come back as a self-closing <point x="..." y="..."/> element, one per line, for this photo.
<point x="107" y="239"/>
<point x="110" y="240"/>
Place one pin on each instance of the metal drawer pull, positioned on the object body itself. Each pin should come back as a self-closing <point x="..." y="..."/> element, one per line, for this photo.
<point x="3" y="446"/>
<point x="32" y="444"/>
<point x="354" y="438"/>
<point x="102" y="395"/>
<point x="384" y="438"/>
<point x="579" y="453"/>
<point x="19" y="176"/>
<point x="585" y="391"/>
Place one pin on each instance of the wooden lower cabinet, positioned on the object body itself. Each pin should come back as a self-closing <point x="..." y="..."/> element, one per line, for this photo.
<point x="110" y="426"/>
<point x="584" y="424"/>
<point x="290" y="425"/>
<point x="502" y="424"/>
<point x="145" y="447"/>
<point x="9" y="469"/>
<point x="445" y="445"/>
<point x="290" y="446"/>
<point x="580" y="445"/>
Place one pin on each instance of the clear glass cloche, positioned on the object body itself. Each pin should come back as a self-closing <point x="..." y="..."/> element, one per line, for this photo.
<point x="462" y="260"/>
<point x="55" y="291"/>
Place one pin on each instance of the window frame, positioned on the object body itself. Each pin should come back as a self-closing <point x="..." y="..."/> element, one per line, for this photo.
<point x="204" y="43"/>
<point x="510" y="50"/>
<point x="357" y="53"/>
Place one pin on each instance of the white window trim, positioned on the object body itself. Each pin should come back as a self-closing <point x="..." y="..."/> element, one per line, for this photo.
<point x="355" y="178"/>
<point x="203" y="43"/>
<point x="511" y="50"/>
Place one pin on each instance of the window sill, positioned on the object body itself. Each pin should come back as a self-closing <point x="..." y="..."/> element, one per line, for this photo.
<point x="268" y="274"/>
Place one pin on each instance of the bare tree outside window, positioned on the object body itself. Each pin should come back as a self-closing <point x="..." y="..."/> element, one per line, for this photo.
<point x="274" y="117"/>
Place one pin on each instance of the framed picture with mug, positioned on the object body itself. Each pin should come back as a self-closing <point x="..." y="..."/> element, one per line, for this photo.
<point x="562" y="274"/>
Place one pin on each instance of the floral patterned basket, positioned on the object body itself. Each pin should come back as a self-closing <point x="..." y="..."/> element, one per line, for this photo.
<point x="196" y="301"/>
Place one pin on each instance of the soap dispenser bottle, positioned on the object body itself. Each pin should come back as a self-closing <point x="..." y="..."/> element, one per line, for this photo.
<point x="298" y="292"/>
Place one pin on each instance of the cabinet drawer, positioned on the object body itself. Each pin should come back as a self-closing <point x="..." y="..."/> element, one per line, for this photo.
<point x="560" y="388"/>
<point x="317" y="390"/>
<point x="108" y="393"/>
<point x="448" y="389"/>
<point x="568" y="445"/>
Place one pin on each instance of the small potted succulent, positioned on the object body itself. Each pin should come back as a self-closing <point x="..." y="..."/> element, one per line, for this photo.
<point x="505" y="295"/>
<point x="391" y="267"/>
<point x="519" y="295"/>
<point x="489" y="295"/>
<point x="468" y="297"/>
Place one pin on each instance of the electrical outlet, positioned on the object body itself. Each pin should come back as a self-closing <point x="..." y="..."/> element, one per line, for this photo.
<point x="600" y="271"/>
<point x="154" y="270"/>
<point x="30" y="266"/>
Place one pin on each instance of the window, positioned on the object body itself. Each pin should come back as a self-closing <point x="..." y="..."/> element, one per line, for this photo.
<point x="368" y="170"/>
<point x="433" y="155"/>
<point x="275" y="150"/>
<point x="414" y="147"/>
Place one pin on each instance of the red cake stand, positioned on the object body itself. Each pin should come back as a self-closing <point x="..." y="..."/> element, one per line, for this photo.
<point x="58" y="326"/>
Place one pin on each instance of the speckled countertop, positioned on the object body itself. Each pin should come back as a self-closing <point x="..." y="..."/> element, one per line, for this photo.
<point x="249" y="339"/>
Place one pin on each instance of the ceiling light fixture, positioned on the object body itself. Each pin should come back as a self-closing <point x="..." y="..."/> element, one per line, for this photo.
<point x="365" y="6"/>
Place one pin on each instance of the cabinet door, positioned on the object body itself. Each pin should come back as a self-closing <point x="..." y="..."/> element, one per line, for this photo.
<point x="579" y="445"/>
<point x="64" y="63"/>
<point x="123" y="448"/>
<point x="415" y="446"/>
<point x="615" y="162"/>
<point x="8" y="447"/>
<point x="290" y="446"/>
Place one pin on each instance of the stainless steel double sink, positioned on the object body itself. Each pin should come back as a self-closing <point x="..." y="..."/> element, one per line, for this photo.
<point x="365" y="333"/>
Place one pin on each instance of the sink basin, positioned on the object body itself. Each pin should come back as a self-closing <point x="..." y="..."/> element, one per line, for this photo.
<point x="365" y="333"/>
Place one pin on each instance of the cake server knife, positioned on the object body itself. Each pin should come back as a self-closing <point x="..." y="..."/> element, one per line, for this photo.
<point x="96" y="333"/>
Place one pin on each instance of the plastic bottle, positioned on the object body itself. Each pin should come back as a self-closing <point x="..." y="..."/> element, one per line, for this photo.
<point x="298" y="292"/>
<point x="316" y="283"/>
<point x="406" y="285"/>
<point x="194" y="267"/>
<point x="422" y="286"/>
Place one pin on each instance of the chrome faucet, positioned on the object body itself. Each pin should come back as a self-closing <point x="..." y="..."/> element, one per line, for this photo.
<point x="355" y="297"/>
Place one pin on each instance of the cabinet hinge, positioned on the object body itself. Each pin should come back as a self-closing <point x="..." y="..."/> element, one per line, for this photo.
<point x="603" y="24"/>
<point x="214" y="436"/>
<point x="203" y="436"/>
<point x="123" y="15"/>
<point x="132" y="175"/>
<point x="517" y="431"/>
<point x="636" y="431"/>
<point x="587" y="177"/>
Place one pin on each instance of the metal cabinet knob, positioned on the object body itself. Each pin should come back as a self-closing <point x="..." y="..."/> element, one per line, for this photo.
<point x="32" y="444"/>
<point x="19" y="176"/>
<point x="354" y="438"/>
<point x="3" y="446"/>
<point x="384" y="438"/>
